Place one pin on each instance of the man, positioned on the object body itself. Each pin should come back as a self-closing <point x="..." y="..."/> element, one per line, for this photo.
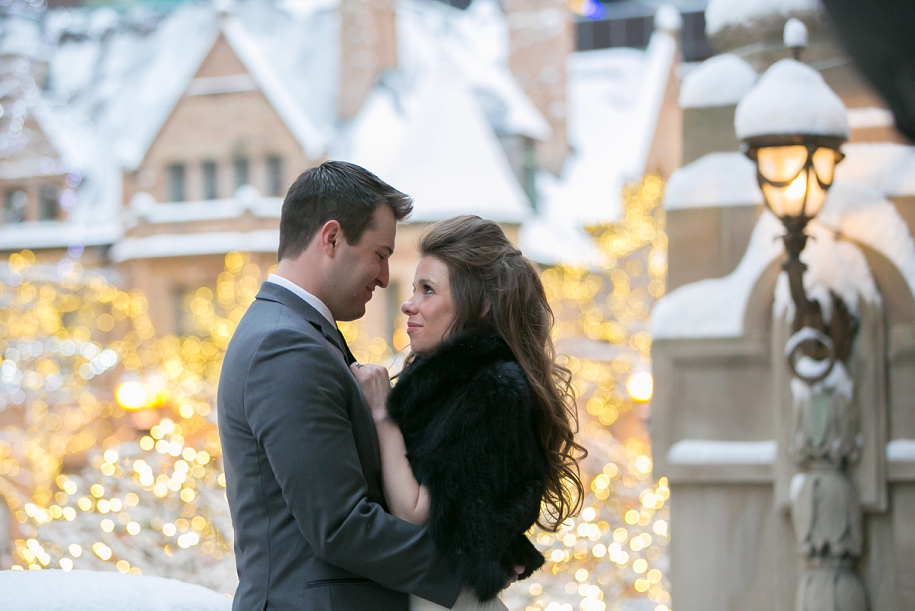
<point x="303" y="474"/>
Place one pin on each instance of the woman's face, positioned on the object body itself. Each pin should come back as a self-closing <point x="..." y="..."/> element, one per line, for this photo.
<point x="430" y="310"/>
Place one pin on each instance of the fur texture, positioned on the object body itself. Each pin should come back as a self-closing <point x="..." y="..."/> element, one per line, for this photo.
<point x="467" y="417"/>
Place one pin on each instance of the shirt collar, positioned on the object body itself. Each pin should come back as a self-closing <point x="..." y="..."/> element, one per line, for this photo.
<point x="304" y="295"/>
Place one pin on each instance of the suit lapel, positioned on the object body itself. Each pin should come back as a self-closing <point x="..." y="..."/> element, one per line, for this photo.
<point x="279" y="294"/>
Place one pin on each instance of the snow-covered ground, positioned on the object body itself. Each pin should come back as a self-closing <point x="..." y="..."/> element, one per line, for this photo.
<point x="56" y="590"/>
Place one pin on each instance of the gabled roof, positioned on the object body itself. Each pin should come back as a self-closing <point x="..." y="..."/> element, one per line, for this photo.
<point x="185" y="58"/>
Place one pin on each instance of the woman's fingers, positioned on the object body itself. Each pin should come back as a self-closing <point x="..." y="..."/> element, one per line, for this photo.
<point x="375" y="384"/>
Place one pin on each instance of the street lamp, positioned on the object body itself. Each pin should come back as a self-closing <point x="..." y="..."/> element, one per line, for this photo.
<point x="791" y="125"/>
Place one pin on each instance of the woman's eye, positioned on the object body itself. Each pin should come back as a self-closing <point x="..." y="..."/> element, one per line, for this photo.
<point x="427" y="289"/>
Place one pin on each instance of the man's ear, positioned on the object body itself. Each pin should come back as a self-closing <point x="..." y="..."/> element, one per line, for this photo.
<point x="331" y="237"/>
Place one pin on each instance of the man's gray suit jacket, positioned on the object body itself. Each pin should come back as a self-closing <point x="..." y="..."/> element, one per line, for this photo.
<point x="303" y="474"/>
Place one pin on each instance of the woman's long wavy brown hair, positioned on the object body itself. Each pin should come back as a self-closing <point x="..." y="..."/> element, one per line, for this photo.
<point x="493" y="285"/>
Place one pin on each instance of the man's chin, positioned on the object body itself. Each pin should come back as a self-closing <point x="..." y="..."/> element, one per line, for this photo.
<point x="353" y="314"/>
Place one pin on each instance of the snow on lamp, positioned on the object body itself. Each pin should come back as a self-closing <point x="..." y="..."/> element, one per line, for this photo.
<point x="791" y="124"/>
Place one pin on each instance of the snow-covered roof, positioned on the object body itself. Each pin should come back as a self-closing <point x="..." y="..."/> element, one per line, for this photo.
<point x="92" y="590"/>
<point x="717" y="179"/>
<point x="791" y="98"/>
<point x="614" y="101"/>
<point x="720" y="14"/>
<point x="435" y="143"/>
<point x="718" y="81"/>
<point x="475" y="42"/>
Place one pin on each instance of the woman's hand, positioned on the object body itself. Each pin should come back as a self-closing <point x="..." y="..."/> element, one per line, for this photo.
<point x="376" y="385"/>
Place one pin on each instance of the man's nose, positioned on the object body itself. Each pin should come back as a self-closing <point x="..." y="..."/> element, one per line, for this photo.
<point x="384" y="276"/>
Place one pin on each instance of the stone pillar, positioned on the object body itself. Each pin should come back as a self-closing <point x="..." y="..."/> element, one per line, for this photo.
<point x="825" y="507"/>
<point x="368" y="48"/>
<point x="6" y="536"/>
<point x="541" y="37"/>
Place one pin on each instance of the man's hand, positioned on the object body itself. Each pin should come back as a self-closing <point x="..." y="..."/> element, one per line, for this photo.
<point x="376" y="385"/>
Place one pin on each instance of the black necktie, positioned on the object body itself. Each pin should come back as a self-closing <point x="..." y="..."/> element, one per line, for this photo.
<point x="350" y="359"/>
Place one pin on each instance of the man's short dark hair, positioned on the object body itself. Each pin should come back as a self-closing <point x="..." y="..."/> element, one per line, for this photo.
<point x="338" y="191"/>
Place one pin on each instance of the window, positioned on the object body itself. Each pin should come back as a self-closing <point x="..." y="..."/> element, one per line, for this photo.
<point x="176" y="182"/>
<point x="48" y="210"/>
<point x="620" y="28"/>
<point x="275" y="176"/>
<point x="209" y="180"/>
<point x="240" y="166"/>
<point x="14" y="205"/>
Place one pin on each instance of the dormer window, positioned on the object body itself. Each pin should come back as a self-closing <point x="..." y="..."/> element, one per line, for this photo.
<point x="48" y="208"/>
<point x="176" y="176"/>
<point x="240" y="168"/>
<point x="210" y="190"/>
<point x="275" y="176"/>
<point x="14" y="205"/>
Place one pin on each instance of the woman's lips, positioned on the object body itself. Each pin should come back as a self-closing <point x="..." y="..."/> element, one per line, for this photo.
<point x="412" y="327"/>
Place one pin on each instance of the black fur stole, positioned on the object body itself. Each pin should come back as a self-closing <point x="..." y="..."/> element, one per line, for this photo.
<point x="467" y="417"/>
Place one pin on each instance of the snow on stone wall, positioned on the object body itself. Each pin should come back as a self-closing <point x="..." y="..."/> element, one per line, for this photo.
<point x="717" y="179"/>
<point x="853" y="215"/>
<point x="718" y="81"/>
<point x="715" y="307"/>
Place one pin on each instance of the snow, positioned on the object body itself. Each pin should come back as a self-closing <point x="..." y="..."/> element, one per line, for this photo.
<point x="54" y="234"/>
<point x="791" y="98"/>
<point x="190" y="244"/>
<point x="717" y="179"/>
<point x="57" y="590"/>
<point x="447" y="157"/>
<point x="901" y="450"/>
<point x="475" y="42"/>
<point x="838" y="381"/>
<point x="668" y="19"/>
<point x="870" y="116"/>
<point x="144" y="208"/>
<point x="718" y="81"/>
<point x="833" y="267"/>
<point x="853" y="214"/>
<point x="313" y="141"/>
<point x="720" y="14"/>
<point x="795" y="34"/>
<point x="715" y="307"/>
<point x="19" y="35"/>
<point x="554" y="238"/>
<point x="885" y="166"/>
<point x="146" y="78"/>
<point x="710" y="452"/>
<point x="862" y="215"/>
<point x="614" y="99"/>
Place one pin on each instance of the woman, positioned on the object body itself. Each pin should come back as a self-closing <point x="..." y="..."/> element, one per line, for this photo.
<point x="478" y="433"/>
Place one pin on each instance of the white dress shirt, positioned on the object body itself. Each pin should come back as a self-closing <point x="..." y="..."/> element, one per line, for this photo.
<point x="305" y="295"/>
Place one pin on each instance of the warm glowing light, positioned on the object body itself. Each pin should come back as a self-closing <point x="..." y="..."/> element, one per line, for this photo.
<point x="640" y="386"/>
<point x="132" y="396"/>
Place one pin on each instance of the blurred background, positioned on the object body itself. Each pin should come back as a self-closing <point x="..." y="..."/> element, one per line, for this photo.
<point x="146" y="146"/>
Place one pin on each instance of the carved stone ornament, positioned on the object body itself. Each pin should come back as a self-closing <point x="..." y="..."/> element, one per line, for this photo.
<point x="826" y="516"/>
<point x="827" y="421"/>
<point x="830" y="589"/>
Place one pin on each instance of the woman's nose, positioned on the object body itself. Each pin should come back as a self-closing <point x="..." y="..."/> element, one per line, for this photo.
<point x="408" y="307"/>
